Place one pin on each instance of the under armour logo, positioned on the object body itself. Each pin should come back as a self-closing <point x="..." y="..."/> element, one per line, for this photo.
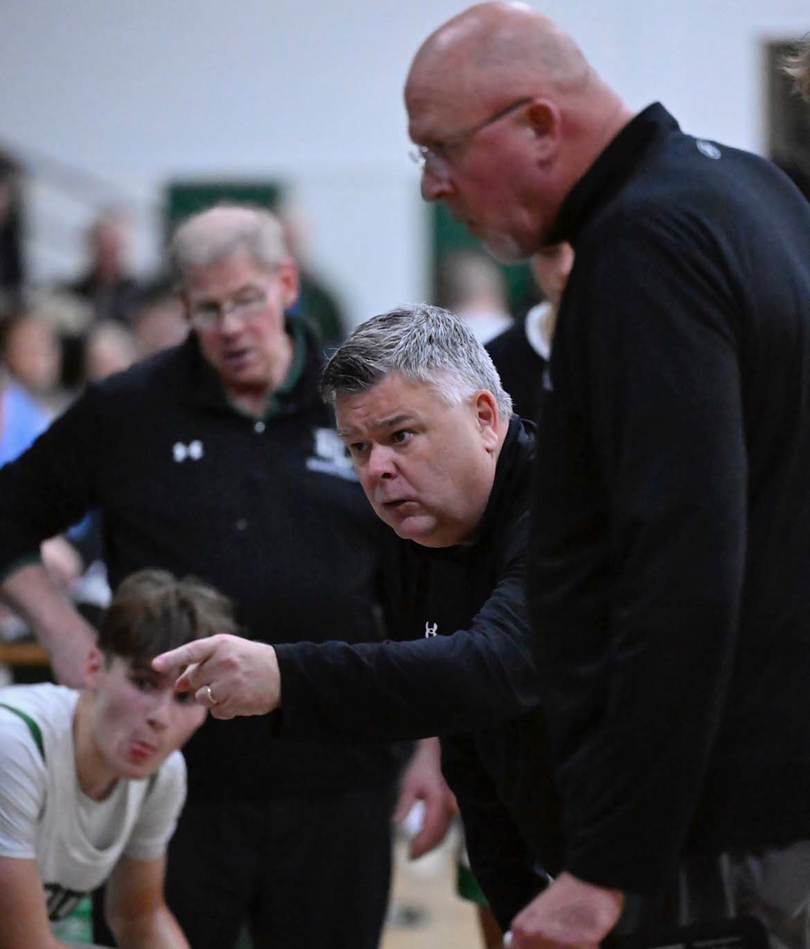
<point x="431" y="630"/>
<point x="193" y="450"/>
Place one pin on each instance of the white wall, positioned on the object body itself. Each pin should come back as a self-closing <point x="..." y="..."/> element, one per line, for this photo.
<point x="142" y="92"/>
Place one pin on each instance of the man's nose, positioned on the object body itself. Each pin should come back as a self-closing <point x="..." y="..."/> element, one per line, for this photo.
<point x="230" y="323"/>
<point x="435" y="187"/>
<point x="381" y="462"/>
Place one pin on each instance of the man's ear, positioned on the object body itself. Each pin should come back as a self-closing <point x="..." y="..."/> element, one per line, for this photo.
<point x="287" y="273"/>
<point x="546" y="124"/>
<point x="94" y="668"/>
<point x="489" y="424"/>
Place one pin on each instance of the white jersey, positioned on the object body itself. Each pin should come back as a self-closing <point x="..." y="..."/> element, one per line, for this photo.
<point x="44" y="814"/>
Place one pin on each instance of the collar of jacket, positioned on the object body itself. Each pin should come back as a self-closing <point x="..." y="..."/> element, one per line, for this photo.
<point x="299" y="388"/>
<point x="512" y="472"/>
<point x="611" y="170"/>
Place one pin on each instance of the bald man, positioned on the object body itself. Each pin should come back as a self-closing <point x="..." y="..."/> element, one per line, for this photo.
<point x="670" y="543"/>
<point x="218" y="458"/>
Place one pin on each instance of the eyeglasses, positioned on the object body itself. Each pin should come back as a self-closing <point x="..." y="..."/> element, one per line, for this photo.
<point x="206" y="316"/>
<point x="435" y="158"/>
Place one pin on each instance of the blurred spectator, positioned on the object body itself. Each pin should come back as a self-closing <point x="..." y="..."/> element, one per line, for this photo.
<point x="31" y="395"/>
<point x="32" y="356"/>
<point x="22" y="418"/>
<point x="70" y="317"/>
<point x="158" y="321"/>
<point x="107" y="284"/>
<point x="472" y="286"/>
<point x="797" y="66"/>
<point x="316" y="302"/>
<point x="521" y="353"/>
<point x="110" y="348"/>
<point x="12" y="271"/>
<point x="69" y="314"/>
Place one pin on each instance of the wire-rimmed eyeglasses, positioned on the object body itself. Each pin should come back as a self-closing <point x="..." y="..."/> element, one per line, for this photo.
<point x="206" y="316"/>
<point x="435" y="158"/>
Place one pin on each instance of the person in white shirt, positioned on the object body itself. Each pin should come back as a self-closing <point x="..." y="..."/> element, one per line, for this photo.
<point x="473" y="287"/>
<point x="92" y="781"/>
<point x="522" y="353"/>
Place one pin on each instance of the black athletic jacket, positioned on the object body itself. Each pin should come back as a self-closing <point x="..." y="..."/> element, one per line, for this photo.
<point x="268" y="510"/>
<point x="669" y="577"/>
<point x="465" y="673"/>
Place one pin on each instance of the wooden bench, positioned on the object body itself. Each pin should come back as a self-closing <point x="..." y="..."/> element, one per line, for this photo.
<point x="23" y="654"/>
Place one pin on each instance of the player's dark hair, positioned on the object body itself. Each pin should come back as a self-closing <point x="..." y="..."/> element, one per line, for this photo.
<point x="152" y="611"/>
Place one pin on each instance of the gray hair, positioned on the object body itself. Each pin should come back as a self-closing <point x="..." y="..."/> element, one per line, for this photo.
<point x="424" y="344"/>
<point x="218" y="232"/>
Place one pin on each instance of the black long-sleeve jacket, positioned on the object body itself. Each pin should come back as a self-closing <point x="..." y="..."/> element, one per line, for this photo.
<point x="669" y="576"/>
<point x="463" y="671"/>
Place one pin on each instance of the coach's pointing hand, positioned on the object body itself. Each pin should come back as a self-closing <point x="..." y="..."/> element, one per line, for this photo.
<point x="230" y="675"/>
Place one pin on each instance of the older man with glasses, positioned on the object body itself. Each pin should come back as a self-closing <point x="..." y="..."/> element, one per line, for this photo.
<point x="217" y="458"/>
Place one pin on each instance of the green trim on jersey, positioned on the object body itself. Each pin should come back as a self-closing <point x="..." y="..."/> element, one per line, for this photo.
<point x="32" y="727"/>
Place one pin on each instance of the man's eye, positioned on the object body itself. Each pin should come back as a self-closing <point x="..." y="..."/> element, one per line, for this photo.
<point x="144" y="683"/>
<point x="401" y="436"/>
<point x="184" y="698"/>
<point x="356" y="448"/>
<point x="249" y="298"/>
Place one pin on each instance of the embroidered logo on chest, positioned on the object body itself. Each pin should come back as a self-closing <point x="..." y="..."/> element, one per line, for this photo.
<point x="331" y="456"/>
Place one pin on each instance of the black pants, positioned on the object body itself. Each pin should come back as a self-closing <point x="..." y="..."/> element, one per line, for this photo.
<point x="301" y="873"/>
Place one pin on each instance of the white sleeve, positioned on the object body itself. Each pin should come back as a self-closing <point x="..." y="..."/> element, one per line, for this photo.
<point x="23" y="783"/>
<point x="160" y="809"/>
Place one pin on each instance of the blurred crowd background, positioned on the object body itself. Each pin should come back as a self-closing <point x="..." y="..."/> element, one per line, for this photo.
<point x="106" y="105"/>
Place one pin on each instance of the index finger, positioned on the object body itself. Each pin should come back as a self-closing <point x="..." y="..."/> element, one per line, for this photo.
<point x="196" y="651"/>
